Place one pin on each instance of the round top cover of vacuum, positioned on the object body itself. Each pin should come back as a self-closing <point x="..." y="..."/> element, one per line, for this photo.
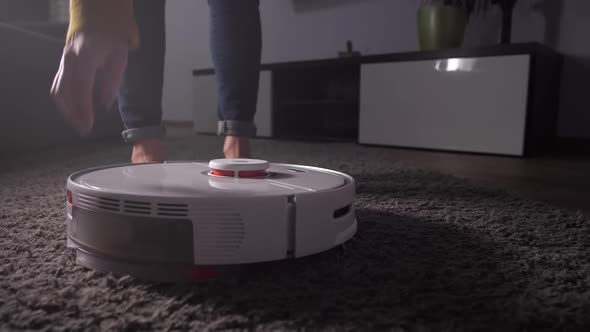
<point x="218" y="178"/>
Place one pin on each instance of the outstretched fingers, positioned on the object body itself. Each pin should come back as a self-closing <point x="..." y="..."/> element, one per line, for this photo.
<point x="84" y="56"/>
<point x="83" y="78"/>
<point x="72" y="89"/>
<point x="61" y="91"/>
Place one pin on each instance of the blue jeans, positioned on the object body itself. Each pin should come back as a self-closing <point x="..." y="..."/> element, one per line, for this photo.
<point x="235" y="50"/>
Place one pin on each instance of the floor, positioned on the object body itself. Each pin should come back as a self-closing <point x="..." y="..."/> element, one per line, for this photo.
<point x="562" y="179"/>
<point x="431" y="253"/>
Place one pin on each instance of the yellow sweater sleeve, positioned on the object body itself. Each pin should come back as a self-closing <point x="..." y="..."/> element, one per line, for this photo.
<point x="111" y="17"/>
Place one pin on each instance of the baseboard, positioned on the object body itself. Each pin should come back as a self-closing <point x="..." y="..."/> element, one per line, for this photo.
<point x="177" y="123"/>
<point x="176" y="129"/>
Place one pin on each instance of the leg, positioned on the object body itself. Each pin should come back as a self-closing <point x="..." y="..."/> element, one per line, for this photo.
<point x="236" y="50"/>
<point x="140" y="94"/>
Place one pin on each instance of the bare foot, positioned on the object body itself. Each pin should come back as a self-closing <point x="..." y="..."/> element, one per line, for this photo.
<point x="147" y="151"/>
<point x="236" y="147"/>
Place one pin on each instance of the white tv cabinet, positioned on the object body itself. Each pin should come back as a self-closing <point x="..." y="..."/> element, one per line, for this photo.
<point x="499" y="100"/>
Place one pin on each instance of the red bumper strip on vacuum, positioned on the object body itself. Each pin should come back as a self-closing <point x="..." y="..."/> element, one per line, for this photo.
<point x="241" y="174"/>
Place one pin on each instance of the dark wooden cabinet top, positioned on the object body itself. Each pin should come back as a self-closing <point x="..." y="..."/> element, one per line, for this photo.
<point x="463" y="52"/>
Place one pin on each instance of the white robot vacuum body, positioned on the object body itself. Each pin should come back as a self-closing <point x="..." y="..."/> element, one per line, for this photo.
<point x="172" y="221"/>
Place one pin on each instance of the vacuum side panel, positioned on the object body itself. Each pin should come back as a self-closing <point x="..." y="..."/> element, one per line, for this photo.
<point x="246" y="230"/>
<point x="324" y="220"/>
<point x="134" y="239"/>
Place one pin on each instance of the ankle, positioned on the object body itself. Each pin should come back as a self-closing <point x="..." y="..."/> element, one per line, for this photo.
<point x="146" y="151"/>
<point x="236" y="147"/>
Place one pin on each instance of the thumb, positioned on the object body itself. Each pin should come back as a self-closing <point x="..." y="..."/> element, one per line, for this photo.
<point x="112" y="75"/>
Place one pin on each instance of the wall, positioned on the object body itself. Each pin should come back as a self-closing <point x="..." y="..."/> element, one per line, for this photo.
<point x="304" y="29"/>
<point x="312" y="29"/>
<point x="567" y="31"/>
<point x="23" y="10"/>
<point x="187" y="47"/>
<point x="292" y="30"/>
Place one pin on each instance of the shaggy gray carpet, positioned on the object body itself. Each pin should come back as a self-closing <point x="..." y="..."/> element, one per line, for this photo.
<point x="432" y="253"/>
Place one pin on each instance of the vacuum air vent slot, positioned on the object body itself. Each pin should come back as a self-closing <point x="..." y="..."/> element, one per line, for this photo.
<point x="137" y="203"/>
<point x="172" y="210"/>
<point x="96" y="202"/>
<point x="341" y="212"/>
<point x="137" y="207"/>
<point x="172" y="214"/>
<point x="137" y="211"/>
<point x="172" y="205"/>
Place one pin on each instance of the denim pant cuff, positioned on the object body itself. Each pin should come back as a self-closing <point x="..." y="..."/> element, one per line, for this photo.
<point x="236" y="128"/>
<point x="136" y="134"/>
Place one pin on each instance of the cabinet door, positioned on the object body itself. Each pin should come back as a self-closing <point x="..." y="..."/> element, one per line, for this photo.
<point x="466" y="104"/>
<point x="205" y="105"/>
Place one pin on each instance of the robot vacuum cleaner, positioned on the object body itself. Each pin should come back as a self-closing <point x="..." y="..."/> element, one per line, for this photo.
<point x="190" y="220"/>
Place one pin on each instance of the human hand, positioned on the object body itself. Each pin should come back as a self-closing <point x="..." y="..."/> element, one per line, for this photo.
<point x="87" y="59"/>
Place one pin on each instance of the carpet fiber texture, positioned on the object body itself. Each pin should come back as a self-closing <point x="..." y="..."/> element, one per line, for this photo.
<point x="432" y="253"/>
